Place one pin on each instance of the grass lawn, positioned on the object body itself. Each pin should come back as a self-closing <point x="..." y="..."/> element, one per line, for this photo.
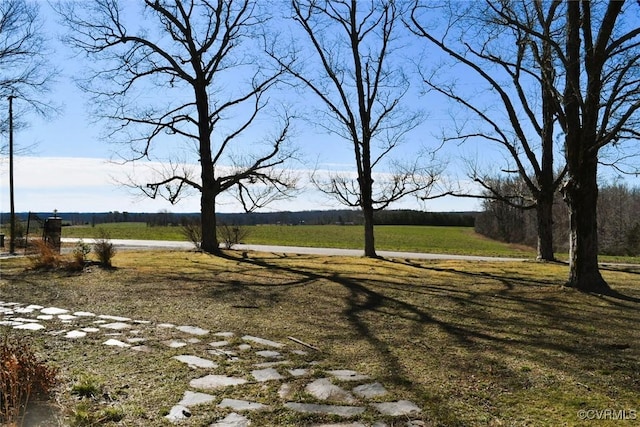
<point x="452" y="240"/>
<point x="470" y="343"/>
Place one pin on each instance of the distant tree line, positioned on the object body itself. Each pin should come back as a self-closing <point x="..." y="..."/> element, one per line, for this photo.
<point x="618" y="221"/>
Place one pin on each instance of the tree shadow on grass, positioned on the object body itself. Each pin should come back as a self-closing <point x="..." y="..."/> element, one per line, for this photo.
<point x="526" y="319"/>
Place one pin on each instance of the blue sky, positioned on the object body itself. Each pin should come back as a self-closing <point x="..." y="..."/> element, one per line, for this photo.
<point x="69" y="167"/>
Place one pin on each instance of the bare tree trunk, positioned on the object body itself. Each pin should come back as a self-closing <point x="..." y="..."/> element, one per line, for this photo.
<point x="581" y="194"/>
<point x="369" y="240"/>
<point x="544" y="213"/>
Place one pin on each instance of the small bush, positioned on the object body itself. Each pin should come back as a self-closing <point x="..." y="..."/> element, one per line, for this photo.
<point x="81" y="253"/>
<point x="104" y="249"/>
<point x="45" y="256"/>
<point x="231" y="234"/>
<point x="193" y="232"/>
<point x="22" y="376"/>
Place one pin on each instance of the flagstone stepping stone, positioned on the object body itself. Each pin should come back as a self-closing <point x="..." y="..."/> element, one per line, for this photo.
<point x="271" y="364"/>
<point x="196" y="362"/>
<point x="348" y="375"/>
<point x="262" y="341"/>
<point x="396" y="409"/>
<point x="115" y="343"/>
<point x="45" y="317"/>
<point x="370" y="390"/>
<point x="323" y="389"/>
<point x="90" y="329"/>
<point x="224" y="334"/>
<point x="194" y="330"/>
<point x="178" y="413"/>
<point x="35" y="307"/>
<point x="83" y="314"/>
<point x="53" y="311"/>
<point x="23" y="310"/>
<point x="76" y="334"/>
<point x="114" y="318"/>
<point x="269" y="374"/>
<point x="210" y="382"/>
<point x="24" y="320"/>
<point x="135" y="340"/>
<point x="313" y="408"/>
<point x="285" y="391"/>
<point x="232" y="420"/>
<point x="300" y="352"/>
<point x="11" y="323"/>
<point x="219" y="343"/>
<point x="67" y="317"/>
<point x="269" y="354"/>
<point x="191" y="398"/>
<point x="29" y="326"/>
<point x="142" y="348"/>
<point x="116" y="326"/>
<point x="242" y="405"/>
<point x="175" y="344"/>
<point x="244" y="347"/>
<point x="354" y="424"/>
<point x="166" y="325"/>
<point x="298" y="372"/>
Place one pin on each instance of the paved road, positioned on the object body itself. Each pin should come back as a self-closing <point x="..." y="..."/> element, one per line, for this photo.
<point x="166" y="244"/>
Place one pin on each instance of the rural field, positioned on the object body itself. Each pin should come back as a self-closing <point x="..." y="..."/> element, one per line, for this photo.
<point x="470" y="343"/>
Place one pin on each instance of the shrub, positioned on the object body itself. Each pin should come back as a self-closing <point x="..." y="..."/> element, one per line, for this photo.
<point x="80" y="253"/>
<point x="231" y="234"/>
<point x="104" y="249"/>
<point x="22" y="376"/>
<point x="45" y="256"/>
<point x="193" y="232"/>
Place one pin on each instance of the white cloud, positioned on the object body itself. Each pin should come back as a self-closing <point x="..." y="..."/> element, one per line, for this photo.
<point x="70" y="184"/>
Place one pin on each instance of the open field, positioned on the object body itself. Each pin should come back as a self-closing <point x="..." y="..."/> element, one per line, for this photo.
<point x="469" y="343"/>
<point x="452" y="240"/>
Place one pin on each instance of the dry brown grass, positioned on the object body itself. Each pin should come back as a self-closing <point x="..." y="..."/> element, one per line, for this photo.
<point x="471" y="343"/>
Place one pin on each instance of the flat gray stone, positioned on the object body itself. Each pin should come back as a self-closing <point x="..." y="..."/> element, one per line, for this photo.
<point x="370" y="390"/>
<point x="298" y="372"/>
<point x="312" y="408"/>
<point x="219" y="343"/>
<point x="396" y="409"/>
<point x="142" y="348"/>
<point x="118" y="326"/>
<point x="114" y="318"/>
<point x="244" y="347"/>
<point x="232" y="420"/>
<point x="348" y="375"/>
<point x="76" y="334"/>
<point x="211" y="382"/>
<point x="285" y="391"/>
<point x="54" y="311"/>
<point x="166" y="325"/>
<point x="224" y="334"/>
<point x="270" y="354"/>
<point x="191" y="398"/>
<point x="242" y="405"/>
<point x="29" y="326"/>
<point x="83" y="314"/>
<point x="175" y="343"/>
<point x="196" y="362"/>
<point x="115" y="343"/>
<point x="45" y="317"/>
<point x="262" y="341"/>
<point x="193" y="330"/>
<point x="323" y="389"/>
<point x="67" y="317"/>
<point x="178" y="413"/>
<point x="90" y="329"/>
<point x="269" y="374"/>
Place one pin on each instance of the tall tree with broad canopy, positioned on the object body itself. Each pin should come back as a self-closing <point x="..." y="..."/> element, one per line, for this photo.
<point x="515" y="102"/>
<point x="348" y="64"/>
<point x="193" y="77"/>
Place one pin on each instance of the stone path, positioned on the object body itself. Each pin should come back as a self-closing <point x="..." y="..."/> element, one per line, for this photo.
<point x="340" y="392"/>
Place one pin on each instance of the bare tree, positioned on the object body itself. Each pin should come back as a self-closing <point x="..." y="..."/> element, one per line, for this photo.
<point x="349" y="67"/>
<point x="601" y="103"/>
<point x="25" y="72"/>
<point x="196" y="77"/>
<point x="518" y="112"/>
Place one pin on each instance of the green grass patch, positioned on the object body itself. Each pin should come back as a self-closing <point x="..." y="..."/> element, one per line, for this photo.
<point x="448" y="240"/>
<point x="471" y="343"/>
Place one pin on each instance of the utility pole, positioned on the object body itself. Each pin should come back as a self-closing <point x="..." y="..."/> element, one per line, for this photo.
<point x="12" y="240"/>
